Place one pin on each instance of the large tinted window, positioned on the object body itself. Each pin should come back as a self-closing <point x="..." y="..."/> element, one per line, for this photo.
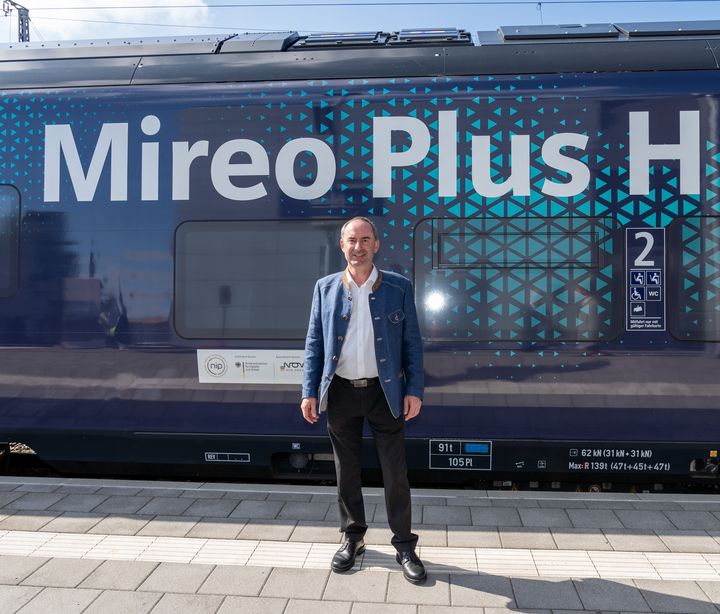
<point x="250" y="280"/>
<point x="9" y="232"/>
<point x="519" y="279"/>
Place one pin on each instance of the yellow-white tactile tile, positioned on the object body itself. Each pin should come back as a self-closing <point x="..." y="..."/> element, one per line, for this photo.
<point x="68" y="545"/>
<point x="379" y="558"/>
<point x="676" y="566"/>
<point x="280" y="554"/>
<point x="449" y="560"/>
<point x="172" y="550"/>
<point x="226" y="552"/>
<point x="633" y="565"/>
<point x="120" y="547"/>
<point x="508" y="561"/>
<point x="565" y="563"/>
<point x="23" y="543"/>
<point x="320" y="556"/>
<point x="713" y="560"/>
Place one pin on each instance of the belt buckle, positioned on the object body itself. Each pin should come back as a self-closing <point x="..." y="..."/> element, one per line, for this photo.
<point x="360" y="383"/>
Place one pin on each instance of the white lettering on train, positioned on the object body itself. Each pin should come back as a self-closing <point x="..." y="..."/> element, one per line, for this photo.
<point x="250" y="160"/>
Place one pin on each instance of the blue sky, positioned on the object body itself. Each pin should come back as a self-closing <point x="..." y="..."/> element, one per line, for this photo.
<point x="56" y="19"/>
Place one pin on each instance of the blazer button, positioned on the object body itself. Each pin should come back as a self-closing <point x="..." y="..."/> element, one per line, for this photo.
<point x="340" y="337"/>
<point x="334" y="357"/>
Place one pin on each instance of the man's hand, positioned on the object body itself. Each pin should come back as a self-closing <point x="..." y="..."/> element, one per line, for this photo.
<point x="309" y="409"/>
<point x="411" y="407"/>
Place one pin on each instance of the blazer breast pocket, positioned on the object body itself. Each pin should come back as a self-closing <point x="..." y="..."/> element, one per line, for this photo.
<point x="396" y="316"/>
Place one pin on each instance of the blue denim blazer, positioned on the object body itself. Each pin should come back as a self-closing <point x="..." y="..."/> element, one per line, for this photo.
<point x="398" y="345"/>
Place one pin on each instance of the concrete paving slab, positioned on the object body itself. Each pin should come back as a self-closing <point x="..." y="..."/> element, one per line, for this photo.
<point x="431" y="535"/>
<point x="609" y="504"/>
<point x="166" y="506"/>
<point x="176" y="578"/>
<point x="268" y="529"/>
<point x="543" y="517"/>
<point x="442" y="514"/>
<point x="675" y="597"/>
<point x="34" y="501"/>
<point x="635" y="540"/>
<point x="644" y="519"/>
<point x="521" y="502"/>
<point x="119" y="575"/>
<point x="387" y="608"/>
<point x="120" y="504"/>
<point x="162" y="491"/>
<point x="594" y="519"/>
<point x="40" y="486"/>
<point x="565" y="504"/>
<point x="72" y="522"/>
<point x="212" y="508"/>
<point x="316" y="531"/>
<point x="187" y="604"/>
<point x="121" y="525"/>
<point x="367" y="586"/>
<point x="483" y="590"/>
<point x="444" y="609"/>
<point x="297" y="510"/>
<point x="123" y="602"/>
<point x="65" y="600"/>
<point x="9" y="497"/>
<point x="526" y="537"/>
<point x="252" y="605"/>
<point x="580" y="539"/>
<point x="610" y="595"/>
<point x="27" y="521"/>
<point x="169" y="526"/>
<point x="66" y="573"/>
<point x="296" y="583"/>
<point x="547" y="593"/>
<point x="289" y="496"/>
<point x="78" y="503"/>
<point x="712" y="590"/>
<point x="693" y="520"/>
<point x="378" y="535"/>
<point x="495" y="517"/>
<point x="298" y="606"/>
<point x="236" y="580"/>
<point x="468" y="501"/>
<point x="689" y="541"/>
<point x="12" y="598"/>
<point x="257" y="509"/>
<point x="435" y="591"/>
<point x="473" y="537"/>
<point x="663" y="505"/>
<point x="14" y="569"/>
<point x="380" y="515"/>
<point x="216" y="528"/>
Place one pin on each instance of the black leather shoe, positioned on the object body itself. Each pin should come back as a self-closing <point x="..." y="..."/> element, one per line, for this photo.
<point x="344" y="558"/>
<point x="413" y="569"/>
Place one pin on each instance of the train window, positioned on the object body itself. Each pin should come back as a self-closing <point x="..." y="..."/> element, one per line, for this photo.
<point x="519" y="279"/>
<point x="693" y="297"/>
<point x="250" y="279"/>
<point x="9" y="240"/>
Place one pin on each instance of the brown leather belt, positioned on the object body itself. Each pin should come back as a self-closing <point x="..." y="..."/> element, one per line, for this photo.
<point x="360" y="383"/>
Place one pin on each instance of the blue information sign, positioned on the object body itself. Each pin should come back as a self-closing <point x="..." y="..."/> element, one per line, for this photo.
<point x="645" y="276"/>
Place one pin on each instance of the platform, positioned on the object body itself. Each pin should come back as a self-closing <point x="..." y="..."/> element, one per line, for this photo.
<point x="80" y="545"/>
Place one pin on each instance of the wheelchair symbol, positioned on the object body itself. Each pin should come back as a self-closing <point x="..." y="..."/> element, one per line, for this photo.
<point x="636" y="295"/>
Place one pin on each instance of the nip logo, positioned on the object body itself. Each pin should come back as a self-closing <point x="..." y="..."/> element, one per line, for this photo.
<point x="216" y="366"/>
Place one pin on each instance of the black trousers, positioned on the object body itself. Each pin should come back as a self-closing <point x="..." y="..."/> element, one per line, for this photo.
<point x="348" y="407"/>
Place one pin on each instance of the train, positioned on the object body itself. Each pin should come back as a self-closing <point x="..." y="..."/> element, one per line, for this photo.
<point x="553" y="193"/>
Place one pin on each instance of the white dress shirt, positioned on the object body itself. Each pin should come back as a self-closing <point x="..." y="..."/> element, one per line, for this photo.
<point x="357" y="356"/>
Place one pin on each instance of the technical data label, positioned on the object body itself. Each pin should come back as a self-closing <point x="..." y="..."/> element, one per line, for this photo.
<point x="460" y="454"/>
<point x="227" y="457"/>
<point x="645" y="279"/>
<point x="614" y="459"/>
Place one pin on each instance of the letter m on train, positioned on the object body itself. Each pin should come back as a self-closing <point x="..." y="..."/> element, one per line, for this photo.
<point x="60" y="143"/>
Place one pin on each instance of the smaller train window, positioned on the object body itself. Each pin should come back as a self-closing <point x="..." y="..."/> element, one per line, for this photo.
<point x="693" y="305"/>
<point x="9" y="240"/>
<point x="250" y="279"/>
<point x="518" y="279"/>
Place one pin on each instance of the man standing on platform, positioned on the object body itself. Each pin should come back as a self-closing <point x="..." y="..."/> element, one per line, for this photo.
<point x="363" y="360"/>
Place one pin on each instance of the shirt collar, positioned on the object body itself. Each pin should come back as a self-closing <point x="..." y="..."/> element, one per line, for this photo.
<point x="369" y="281"/>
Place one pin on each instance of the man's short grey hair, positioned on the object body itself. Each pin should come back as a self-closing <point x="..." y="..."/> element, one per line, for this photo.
<point x="360" y="218"/>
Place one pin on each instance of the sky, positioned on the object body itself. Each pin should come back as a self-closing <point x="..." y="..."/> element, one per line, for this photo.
<point x="103" y="19"/>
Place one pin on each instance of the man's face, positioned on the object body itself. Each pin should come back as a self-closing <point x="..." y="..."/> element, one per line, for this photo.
<point x="359" y="245"/>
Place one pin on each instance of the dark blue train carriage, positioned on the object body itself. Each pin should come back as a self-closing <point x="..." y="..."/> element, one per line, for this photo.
<point x="553" y="193"/>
